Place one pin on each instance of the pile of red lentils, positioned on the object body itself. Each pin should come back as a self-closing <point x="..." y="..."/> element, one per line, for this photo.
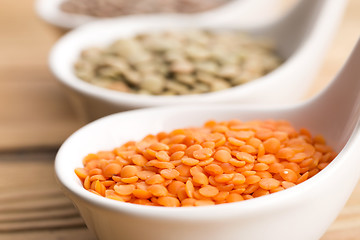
<point x="221" y="162"/>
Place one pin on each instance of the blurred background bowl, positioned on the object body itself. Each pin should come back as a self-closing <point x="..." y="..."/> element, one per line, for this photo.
<point x="245" y="11"/>
<point x="300" y="37"/>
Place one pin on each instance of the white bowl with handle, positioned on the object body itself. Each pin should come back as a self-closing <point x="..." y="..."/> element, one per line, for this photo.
<point x="304" y="211"/>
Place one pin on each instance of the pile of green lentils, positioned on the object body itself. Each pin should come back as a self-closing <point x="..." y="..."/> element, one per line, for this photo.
<point x="177" y="62"/>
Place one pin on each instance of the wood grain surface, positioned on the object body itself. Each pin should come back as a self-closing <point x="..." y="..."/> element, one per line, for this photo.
<point x="36" y="117"/>
<point x="34" y="110"/>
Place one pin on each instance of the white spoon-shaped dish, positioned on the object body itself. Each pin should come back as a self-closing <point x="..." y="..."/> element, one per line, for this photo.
<point x="302" y="212"/>
<point x="246" y="11"/>
<point x="301" y="38"/>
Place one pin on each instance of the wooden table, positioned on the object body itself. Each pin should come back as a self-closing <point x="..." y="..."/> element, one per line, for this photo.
<point x="35" y="118"/>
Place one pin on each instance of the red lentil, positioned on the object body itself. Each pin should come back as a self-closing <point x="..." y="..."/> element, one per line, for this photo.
<point x="218" y="163"/>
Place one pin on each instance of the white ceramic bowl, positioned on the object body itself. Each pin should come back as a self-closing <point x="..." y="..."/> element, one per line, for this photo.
<point x="246" y="11"/>
<point x="302" y="212"/>
<point x="301" y="38"/>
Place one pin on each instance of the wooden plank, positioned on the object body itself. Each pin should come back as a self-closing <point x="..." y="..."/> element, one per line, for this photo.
<point x="34" y="111"/>
<point x="54" y="234"/>
<point x="25" y="216"/>
<point x="32" y="206"/>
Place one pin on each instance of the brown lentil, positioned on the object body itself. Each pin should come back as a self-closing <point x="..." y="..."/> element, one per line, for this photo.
<point x="202" y="166"/>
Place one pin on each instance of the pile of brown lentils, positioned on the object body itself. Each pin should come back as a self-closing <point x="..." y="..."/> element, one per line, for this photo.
<point x="177" y="62"/>
<point x="114" y="8"/>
